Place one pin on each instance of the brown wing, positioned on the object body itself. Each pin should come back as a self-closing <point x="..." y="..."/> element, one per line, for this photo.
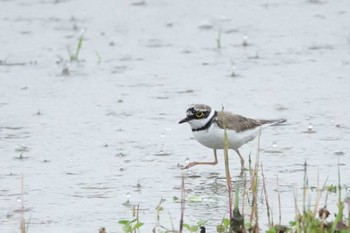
<point x="239" y="123"/>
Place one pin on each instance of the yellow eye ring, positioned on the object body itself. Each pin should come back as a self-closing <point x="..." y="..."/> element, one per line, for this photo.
<point x="199" y="114"/>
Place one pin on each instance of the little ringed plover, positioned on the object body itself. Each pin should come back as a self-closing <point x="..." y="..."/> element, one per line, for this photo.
<point x="208" y="129"/>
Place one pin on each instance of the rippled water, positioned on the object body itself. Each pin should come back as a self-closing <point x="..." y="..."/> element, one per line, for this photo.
<point x="88" y="135"/>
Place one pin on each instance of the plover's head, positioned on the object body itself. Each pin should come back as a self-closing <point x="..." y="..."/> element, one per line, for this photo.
<point x="198" y="115"/>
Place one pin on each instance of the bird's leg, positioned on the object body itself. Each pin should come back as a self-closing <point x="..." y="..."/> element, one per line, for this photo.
<point x="242" y="160"/>
<point x="192" y="164"/>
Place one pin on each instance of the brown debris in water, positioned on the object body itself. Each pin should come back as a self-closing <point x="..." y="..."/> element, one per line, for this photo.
<point x="323" y="213"/>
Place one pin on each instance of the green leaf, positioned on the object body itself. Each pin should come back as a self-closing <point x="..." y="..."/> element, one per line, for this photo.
<point x="271" y="230"/>
<point x="137" y="225"/>
<point x="292" y="223"/>
<point x="123" y="222"/>
<point x="226" y="222"/>
<point x="220" y="228"/>
<point x="186" y="226"/>
<point x="194" y="228"/>
<point x="127" y="228"/>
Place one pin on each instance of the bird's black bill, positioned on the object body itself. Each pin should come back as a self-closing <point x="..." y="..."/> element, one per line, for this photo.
<point x="185" y="120"/>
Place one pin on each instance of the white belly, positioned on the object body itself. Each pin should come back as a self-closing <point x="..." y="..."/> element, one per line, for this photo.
<point x="214" y="137"/>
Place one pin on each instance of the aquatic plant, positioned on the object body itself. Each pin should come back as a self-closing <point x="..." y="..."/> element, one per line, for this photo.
<point x="130" y="226"/>
<point x="75" y="56"/>
<point x="195" y="227"/>
<point x="308" y="221"/>
<point x="315" y="221"/>
<point x="224" y="226"/>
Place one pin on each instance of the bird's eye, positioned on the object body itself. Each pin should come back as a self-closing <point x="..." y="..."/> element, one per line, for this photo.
<point x="199" y="114"/>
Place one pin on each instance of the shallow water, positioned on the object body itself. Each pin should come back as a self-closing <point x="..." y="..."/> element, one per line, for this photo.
<point x="84" y="141"/>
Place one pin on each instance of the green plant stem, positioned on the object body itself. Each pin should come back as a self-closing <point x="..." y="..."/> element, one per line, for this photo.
<point x="75" y="56"/>
<point x="305" y="187"/>
<point x="339" y="216"/>
<point x="270" y="222"/>
<point x="279" y="203"/>
<point x="182" y="203"/>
